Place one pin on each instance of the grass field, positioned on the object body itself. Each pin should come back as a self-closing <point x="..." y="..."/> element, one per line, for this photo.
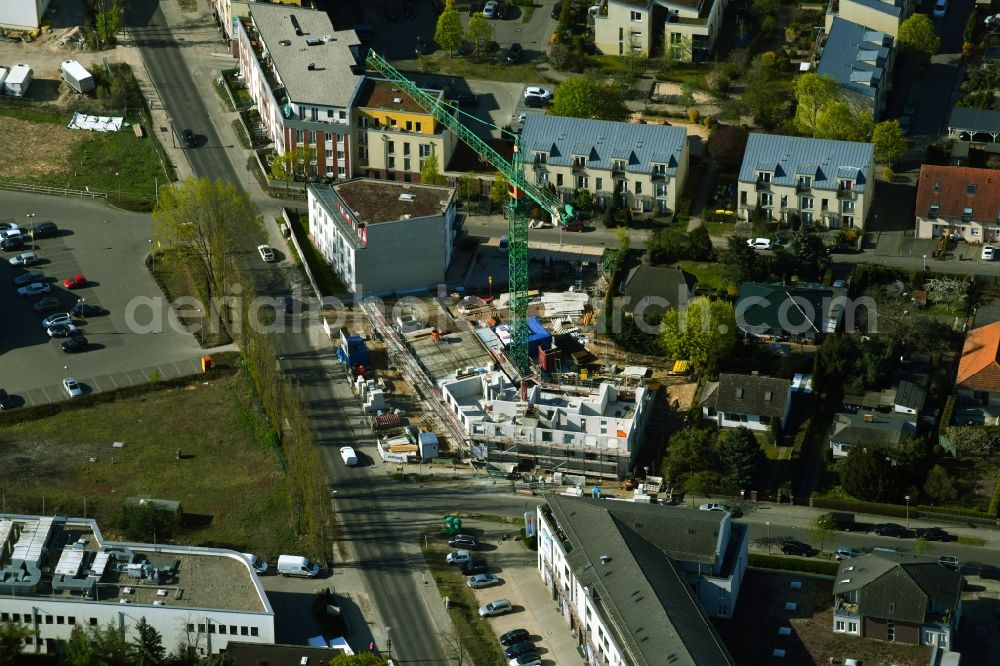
<point x="47" y="153"/>
<point x="180" y="277"/>
<point x="709" y="274"/>
<point x="229" y="475"/>
<point x="487" y="69"/>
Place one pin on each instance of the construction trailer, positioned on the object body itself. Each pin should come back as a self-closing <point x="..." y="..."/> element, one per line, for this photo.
<point x="18" y="80"/>
<point x="76" y="76"/>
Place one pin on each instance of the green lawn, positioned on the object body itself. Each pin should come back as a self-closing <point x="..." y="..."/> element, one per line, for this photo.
<point x="229" y="475"/>
<point x="327" y="281"/>
<point x="114" y="162"/>
<point x="182" y="277"/>
<point x="485" y="68"/>
<point x="709" y="274"/>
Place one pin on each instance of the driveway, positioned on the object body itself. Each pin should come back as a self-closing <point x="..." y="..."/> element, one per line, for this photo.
<point x="108" y="246"/>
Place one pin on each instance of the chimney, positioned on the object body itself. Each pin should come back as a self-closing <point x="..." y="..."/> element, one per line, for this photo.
<point x="312" y="66"/>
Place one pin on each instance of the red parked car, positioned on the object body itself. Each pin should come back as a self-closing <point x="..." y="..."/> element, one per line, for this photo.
<point x="75" y="282"/>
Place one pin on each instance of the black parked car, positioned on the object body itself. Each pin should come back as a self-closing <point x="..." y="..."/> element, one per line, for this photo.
<point x="11" y="244"/>
<point x="892" y="529"/>
<point x="514" y="54"/>
<point x="514" y="636"/>
<point x="556" y="10"/>
<point x="44" y="229"/>
<point x="476" y="8"/>
<point x="503" y="9"/>
<point x="465" y="541"/>
<point x="791" y="547"/>
<point x="519" y="648"/>
<point x="188" y="137"/>
<point x="85" y="310"/>
<point x="5" y="401"/>
<point x="75" y="344"/>
<point x="473" y="567"/>
<point x="932" y="534"/>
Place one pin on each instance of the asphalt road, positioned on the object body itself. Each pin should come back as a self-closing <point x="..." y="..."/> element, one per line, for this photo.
<point x="388" y="574"/>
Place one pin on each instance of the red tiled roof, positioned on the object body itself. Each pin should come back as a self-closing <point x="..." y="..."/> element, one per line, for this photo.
<point x="979" y="369"/>
<point x="952" y="197"/>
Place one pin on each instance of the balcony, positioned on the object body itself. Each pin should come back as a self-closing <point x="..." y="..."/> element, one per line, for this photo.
<point x="763" y="185"/>
<point x="803" y="187"/>
<point x="846" y="193"/>
<point x="845" y="609"/>
<point x="579" y="166"/>
<point x="658" y="175"/>
<point x="618" y="168"/>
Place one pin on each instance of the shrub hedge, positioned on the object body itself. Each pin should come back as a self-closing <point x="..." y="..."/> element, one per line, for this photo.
<point x="859" y="506"/>
<point x="812" y="566"/>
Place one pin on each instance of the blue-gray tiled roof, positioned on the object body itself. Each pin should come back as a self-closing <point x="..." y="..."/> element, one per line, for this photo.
<point x="602" y="141"/>
<point x="784" y="156"/>
<point x="855" y="57"/>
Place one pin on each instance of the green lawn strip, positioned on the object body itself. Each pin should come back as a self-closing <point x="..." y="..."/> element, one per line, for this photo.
<point x="241" y="133"/>
<point x="328" y="282"/>
<point x="473" y="632"/>
<point x="229" y="473"/>
<point x="527" y="13"/>
<point x="487" y="69"/>
<point x="709" y="274"/>
<point x="180" y="277"/>
<point x="970" y="541"/>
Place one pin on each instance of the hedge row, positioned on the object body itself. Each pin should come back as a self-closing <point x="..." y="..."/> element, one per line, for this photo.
<point x="956" y="511"/>
<point x="994" y="509"/>
<point x="812" y="566"/>
<point x="858" y="506"/>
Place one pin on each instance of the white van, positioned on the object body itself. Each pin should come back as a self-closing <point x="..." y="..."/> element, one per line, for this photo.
<point x="296" y="565"/>
<point x="349" y="456"/>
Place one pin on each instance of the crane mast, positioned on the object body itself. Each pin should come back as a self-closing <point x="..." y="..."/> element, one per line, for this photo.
<point x="515" y="207"/>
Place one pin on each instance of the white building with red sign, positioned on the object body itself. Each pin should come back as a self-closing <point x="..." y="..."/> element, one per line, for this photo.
<point x="384" y="237"/>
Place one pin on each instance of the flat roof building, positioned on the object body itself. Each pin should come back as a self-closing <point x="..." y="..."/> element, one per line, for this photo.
<point x="58" y="572"/>
<point x="595" y="432"/>
<point x="383" y="236"/>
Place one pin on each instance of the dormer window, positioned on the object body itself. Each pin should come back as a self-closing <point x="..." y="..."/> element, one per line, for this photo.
<point x="768" y="396"/>
<point x="659" y="169"/>
<point x="845" y="184"/>
<point x="764" y="176"/>
<point x="937" y="185"/>
<point x="970" y="189"/>
<point x="739" y="393"/>
<point x="540" y="158"/>
<point x="933" y="212"/>
<point x="805" y="181"/>
<point x="966" y="215"/>
<point x="618" y="165"/>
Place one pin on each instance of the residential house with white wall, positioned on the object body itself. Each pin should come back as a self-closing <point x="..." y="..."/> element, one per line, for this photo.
<point x="637" y="583"/>
<point x="596" y="432"/>
<point x="820" y="181"/>
<point x="882" y="15"/>
<point x="688" y="27"/>
<point x="963" y="202"/>
<point x="647" y="163"/>
<point x="752" y="401"/>
<point x="59" y="573"/>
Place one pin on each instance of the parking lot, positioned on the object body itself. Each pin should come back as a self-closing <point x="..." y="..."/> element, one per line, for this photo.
<point x="135" y="339"/>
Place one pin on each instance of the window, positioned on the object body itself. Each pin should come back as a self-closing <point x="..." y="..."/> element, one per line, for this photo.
<point x="847" y="206"/>
<point x="418" y="126"/>
<point x="232" y="629"/>
<point x="623" y="185"/>
<point x="764" y="176"/>
<point x="937" y="185"/>
<point x="766" y="199"/>
<point x="425" y="150"/>
<point x="784" y="201"/>
<point x="581" y="182"/>
<point x="48" y="619"/>
<point x="845" y="184"/>
<point x="638" y="188"/>
<point x="329" y="114"/>
<point x="201" y="628"/>
<point x="618" y="165"/>
<point x="391" y="147"/>
<point x="391" y="163"/>
<point x="341" y="171"/>
<point x="244" y="631"/>
<point x="559" y="180"/>
<point x="406" y="164"/>
<point x="298" y="136"/>
<point x="636" y="16"/>
<point x="974" y="231"/>
<point x="806" y="203"/>
<point x="329" y="154"/>
<point x="540" y="158"/>
<point x="661" y="190"/>
<point x="933" y="212"/>
<point x="340" y="154"/>
<point x="839" y="625"/>
<point x="60" y="619"/>
<point x="723" y="609"/>
<point x="966" y="214"/>
<point x="392" y="122"/>
<point x="362" y="152"/>
<point x="824" y="205"/>
<point x="599" y="186"/>
<point x="314" y="113"/>
<point x="659" y="169"/>
<point x="409" y="125"/>
<point x="890" y="631"/>
<point x="970" y="189"/>
<point x="406" y="149"/>
<point x="579" y="162"/>
<point x="253" y="631"/>
<point x="93" y="623"/>
<point x="849" y="221"/>
<point x="739" y="393"/>
<point x="211" y="628"/>
<point x="768" y="396"/>
<point x="892" y="606"/>
<point x="222" y="628"/>
<point x="805" y="181"/>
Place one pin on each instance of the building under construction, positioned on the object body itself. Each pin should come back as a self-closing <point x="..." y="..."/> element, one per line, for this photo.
<point x="594" y="432"/>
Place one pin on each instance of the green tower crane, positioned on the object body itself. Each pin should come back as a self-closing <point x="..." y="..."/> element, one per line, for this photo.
<point x="516" y="206"/>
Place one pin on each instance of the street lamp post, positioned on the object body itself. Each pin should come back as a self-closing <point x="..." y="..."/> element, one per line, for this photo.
<point x="769" y="537"/>
<point x="66" y="370"/>
<point x="645" y="470"/>
<point x="118" y="176"/>
<point x="907" y="498"/>
<point x="388" y="642"/>
<point x="925" y="262"/>
<point x="490" y="279"/>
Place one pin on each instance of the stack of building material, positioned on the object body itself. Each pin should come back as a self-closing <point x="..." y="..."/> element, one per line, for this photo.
<point x="565" y="303"/>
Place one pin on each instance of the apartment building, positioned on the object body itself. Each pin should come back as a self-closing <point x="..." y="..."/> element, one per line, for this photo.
<point x="881" y="15"/>
<point x="962" y="202"/>
<point x="57" y="573"/>
<point x="637" y="583"/>
<point x="861" y="60"/>
<point x="820" y="182"/>
<point x="22" y="14"/>
<point x="394" y="134"/>
<point x="688" y="28"/>
<point x="595" y="432"/>
<point x="304" y="77"/>
<point x="383" y="237"/>
<point x="647" y="163"/>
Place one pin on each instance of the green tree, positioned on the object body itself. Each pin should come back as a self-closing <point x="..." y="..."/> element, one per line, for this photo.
<point x="429" y="174"/>
<point x="739" y="456"/>
<point x="479" y="31"/>
<point x="468" y="187"/>
<point x="950" y="292"/>
<point x="210" y="221"/>
<point x="579" y="97"/>
<point x="360" y="659"/>
<point x="499" y="188"/>
<point x="295" y="161"/>
<point x="938" y="485"/>
<point x="917" y="37"/>
<point x="759" y="98"/>
<point x="974" y="441"/>
<point x="704" y="332"/>
<point x="740" y="262"/>
<point x="702" y="482"/>
<point x="699" y="244"/>
<point x="107" y="19"/>
<point x="624" y="240"/>
<point x="148" y="646"/>
<point x="105" y="646"/>
<point x="727" y="145"/>
<point x="690" y="450"/>
<point x="448" y="33"/>
<point x="808" y="248"/>
<point x="766" y="7"/>
<point x="868" y="474"/>
<point x="812" y="93"/>
<point x="583" y="200"/>
<point x="11" y="642"/>
<point x="837" y="120"/>
<point x="822" y="529"/>
<point x="888" y="141"/>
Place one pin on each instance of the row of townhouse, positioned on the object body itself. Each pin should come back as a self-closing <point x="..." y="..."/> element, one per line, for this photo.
<point x="688" y="28"/>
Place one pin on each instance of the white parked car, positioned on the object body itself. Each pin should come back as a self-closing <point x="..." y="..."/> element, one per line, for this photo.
<point x="34" y="289"/>
<point x="62" y="331"/>
<point x="989" y="252"/>
<point x="9" y="233"/>
<point x="714" y="506"/>
<point x="266" y="253"/>
<point x="259" y="565"/>
<point x="348" y="455"/>
<point x="538" y="91"/>
<point x="458" y="557"/>
<point x="8" y="226"/>
<point x="72" y="387"/>
<point x="24" y="259"/>
<point x="56" y="319"/>
<point x="759" y="243"/>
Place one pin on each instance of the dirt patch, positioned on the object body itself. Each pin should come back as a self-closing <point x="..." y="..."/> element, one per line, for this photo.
<point x="682" y="392"/>
<point x="752" y="634"/>
<point x="41" y="149"/>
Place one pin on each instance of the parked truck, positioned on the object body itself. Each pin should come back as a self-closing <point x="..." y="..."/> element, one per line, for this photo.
<point x="297" y="565"/>
<point x="18" y="80"/>
<point x="76" y="76"/>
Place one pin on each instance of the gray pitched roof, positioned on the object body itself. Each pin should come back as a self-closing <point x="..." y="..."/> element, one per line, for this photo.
<point x="332" y="82"/>
<point x="751" y="394"/>
<point x="976" y="120"/>
<point x="601" y="141"/>
<point x="878" y="428"/>
<point x="764" y="309"/>
<point x="617" y="552"/>
<point x="912" y="392"/>
<point x="788" y="157"/>
<point x="673" y="285"/>
<point x="855" y="57"/>
<point x="898" y="587"/>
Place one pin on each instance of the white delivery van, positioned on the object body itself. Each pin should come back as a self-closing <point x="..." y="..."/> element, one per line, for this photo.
<point x="349" y="456"/>
<point x="296" y="565"/>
